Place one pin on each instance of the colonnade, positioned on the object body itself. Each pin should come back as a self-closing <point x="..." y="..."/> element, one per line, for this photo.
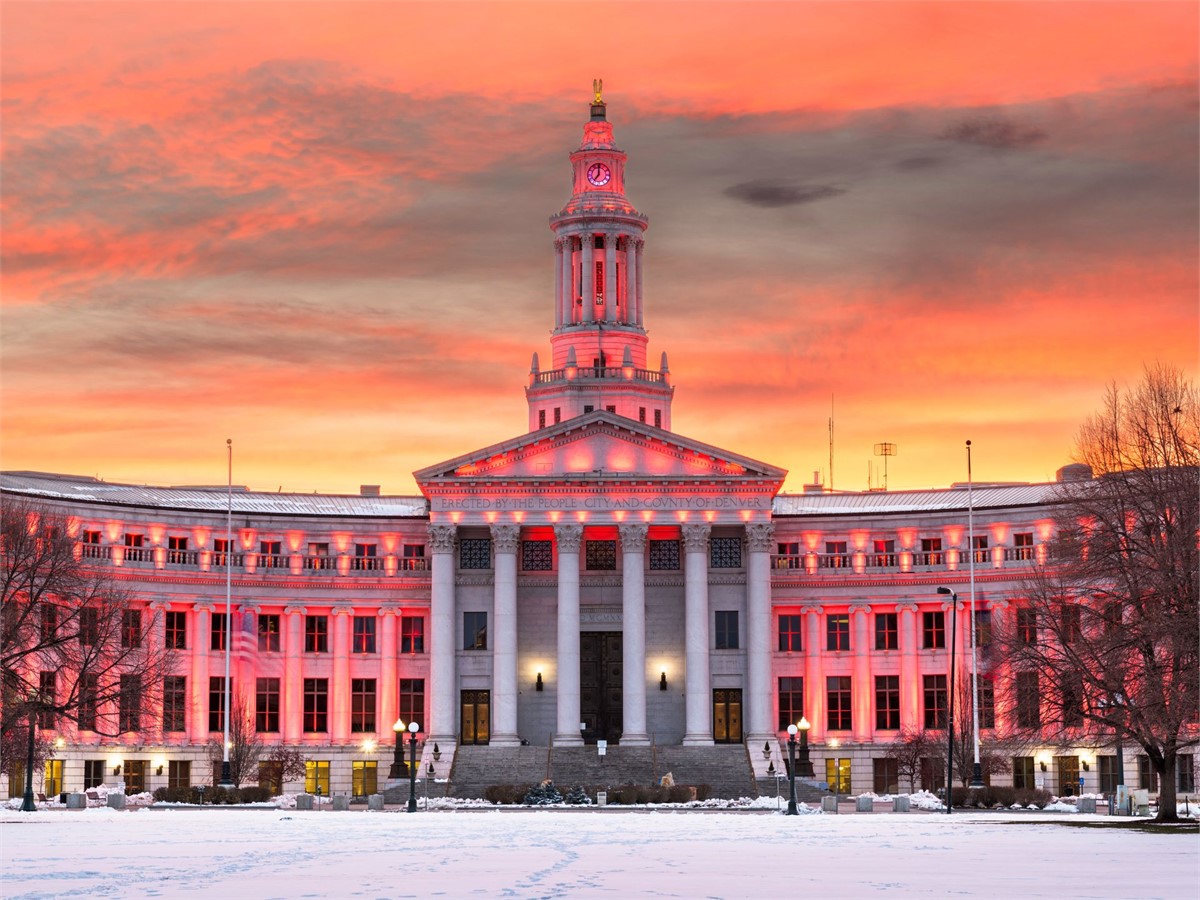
<point x="568" y="288"/>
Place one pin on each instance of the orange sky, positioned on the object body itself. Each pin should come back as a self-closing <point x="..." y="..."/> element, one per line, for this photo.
<point x="320" y="228"/>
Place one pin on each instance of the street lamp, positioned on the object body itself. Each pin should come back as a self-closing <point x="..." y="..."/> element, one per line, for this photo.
<point x="806" y="766"/>
<point x="397" y="770"/>
<point x="950" y="714"/>
<point x="977" y="770"/>
<point x="413" y="728"/>
<point x="791" y="810"/>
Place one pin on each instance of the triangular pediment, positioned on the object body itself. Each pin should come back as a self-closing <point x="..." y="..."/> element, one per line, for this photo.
<point x="600" y="446"/>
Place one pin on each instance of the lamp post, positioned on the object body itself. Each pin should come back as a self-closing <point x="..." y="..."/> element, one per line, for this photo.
<point x="977" y="770"/>
<point x="950" y="712"/>
<point x="792" y="810"/>
<point x="413" y="728"/>
<point x="27" y="804"/>
<point x="805" y="764"/>
<point x="226" y="770"/>
<point x="397" y="770"/>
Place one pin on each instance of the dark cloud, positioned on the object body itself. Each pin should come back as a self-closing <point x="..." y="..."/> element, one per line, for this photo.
<point x="771" y="194"/>
<point x="995" y="132"/>
<point x="918" y="163"/>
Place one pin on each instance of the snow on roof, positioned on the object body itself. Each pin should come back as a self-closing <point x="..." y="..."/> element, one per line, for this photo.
<point x="82" y="489"/>
<point x="885" y="502"/>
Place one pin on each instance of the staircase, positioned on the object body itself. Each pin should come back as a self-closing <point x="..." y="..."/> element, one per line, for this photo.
<point x="723" y="767"/>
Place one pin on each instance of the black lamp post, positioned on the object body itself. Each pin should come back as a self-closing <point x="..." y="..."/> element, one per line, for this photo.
<point x="397" y="770"/>
<point x="792" y="810"/>
<point x="27" y="804"/>
<point x="413" y="728"/>
<point x="950" y="715"/>
<point x="805" y="764"/>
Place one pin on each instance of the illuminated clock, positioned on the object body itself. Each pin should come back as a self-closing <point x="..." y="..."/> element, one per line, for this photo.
<point x="598" y="174"/>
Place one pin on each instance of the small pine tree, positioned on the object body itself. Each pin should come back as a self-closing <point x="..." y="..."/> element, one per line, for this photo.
<point x="542" y="794"/>
<point x="577" y="796"/>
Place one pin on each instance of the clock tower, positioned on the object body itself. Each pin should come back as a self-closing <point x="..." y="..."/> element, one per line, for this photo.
<point x="598" y="343"/>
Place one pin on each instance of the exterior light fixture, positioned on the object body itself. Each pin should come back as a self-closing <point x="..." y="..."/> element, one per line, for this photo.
<point x="1043" y="765"/>
<point x="413" y="728"/>
<point x="117" y="769"/>
<point x="662" y="681"/>
<point x="1086" y="767"/>
<point x="950" y="711"/>
<point x="537" y="685"/>
<point x="397" y="770"/>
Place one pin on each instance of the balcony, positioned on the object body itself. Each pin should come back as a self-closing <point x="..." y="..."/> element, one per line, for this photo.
<point x="599" y="373"/>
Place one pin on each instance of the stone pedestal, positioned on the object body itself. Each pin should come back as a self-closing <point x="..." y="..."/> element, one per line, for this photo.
<point x="304" y="802"/>
<point x="375" y="802"/>
<point x="1087" y="804"/>
<point x="116" y="801"/>
<point x="864" y="804"/>
<point x="76" y="801"/>
<point x="900" y="804"/>
<point x="341" y="803"/>
<point x="829" y="804"/>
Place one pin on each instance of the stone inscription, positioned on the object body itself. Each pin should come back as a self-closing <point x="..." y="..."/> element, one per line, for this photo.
<point x="597" y="503"/>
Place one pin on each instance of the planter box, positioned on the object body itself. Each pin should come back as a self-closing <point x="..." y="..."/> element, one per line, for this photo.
<point x="864" y="804"/>
<point x="375" y="801"/>
<point x="76" y="801"/>
<point x="901" y="804"/>
<point x="341" y="803"/>
<point x="116" y="801"/>
<point x="829" y="804"/>
<point x="304" y="802"/>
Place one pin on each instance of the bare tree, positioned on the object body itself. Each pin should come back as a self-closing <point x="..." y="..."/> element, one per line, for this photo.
<point x="73" y="644"/>
<point x="911" y="749"/>
<point x="1106" y="644"/>
<point x="245" y="746"/>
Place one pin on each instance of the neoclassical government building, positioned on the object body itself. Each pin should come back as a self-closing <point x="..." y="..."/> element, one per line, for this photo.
<point x="597" y="578"/>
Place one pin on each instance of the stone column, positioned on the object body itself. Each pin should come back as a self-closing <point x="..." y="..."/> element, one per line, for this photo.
<point x="568" y="281"/>
<point x="910" y="686"/>
<point x="698" y="709"/>
<point x="292" y="701"/>
<point x="443" y="728"/>
<point x="505" y="541"/>
<point x="633" y="623"/>
<point x="558" y="283"/>
<point x="860" y="681"/>
<point x="760" y="540"/>
<point x="568" y="538"/>
<point x="588" y="241"/>
<point x="631" y="280"/>
<point x="339" y="688"/>
<point x="610" y="278"/>
<point x="200" y="638"/>
<point x="389" y="702"/>
<point x="638" y="282"/>
<point x="814" y="672"/>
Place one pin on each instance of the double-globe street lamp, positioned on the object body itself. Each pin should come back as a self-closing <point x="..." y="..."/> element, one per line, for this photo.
<point x="397" y="770"/>
<point x="805" y="763"/>
<point x="950" y="715"/>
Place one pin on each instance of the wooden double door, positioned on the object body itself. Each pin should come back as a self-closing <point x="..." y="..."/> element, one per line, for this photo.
<point x="600" y="689"/>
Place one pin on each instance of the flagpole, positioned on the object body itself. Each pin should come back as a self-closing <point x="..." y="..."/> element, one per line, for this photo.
<point x="226" y="775"/>
<point x="977" y="771"/>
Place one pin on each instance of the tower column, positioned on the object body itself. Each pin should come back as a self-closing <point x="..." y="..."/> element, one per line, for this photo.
<point x="631" y="270"/>
<point x="760" y="539"/>
<point x="568" y="538"/>
<point x="698" y="703"/>
<point x="442" y="541"/>
<point x="505" y="539"/>
<point x="588" y="247"/>
<point x="558" y="283"/>
<point x="633" y="639"/>
<point x="639" y="243"/>
<point x="610" y="277"/>
<point x="568" y="281"/>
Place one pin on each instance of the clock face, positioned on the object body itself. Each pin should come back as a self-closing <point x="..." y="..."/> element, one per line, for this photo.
<point x="598" y="174"/>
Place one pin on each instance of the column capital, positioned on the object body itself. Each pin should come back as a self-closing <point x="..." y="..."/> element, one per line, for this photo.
<point x="906" y="607"/>
<point x="442" y="538"/>
<point x="695" y="538"/>
<point x="203" y="606"/>
<point x="341" y="611"/>
<point x="633" y="538"/>
<point x="860" y="608"/>
<point x="506" y="538"/>
<point x="811" y="610"/>
<point x="997" y="605"/>
<point x="560" y="243"/>
<point x="760" y="536"/>
<point x="295" y="611"/>
<point x="569" y="537"/>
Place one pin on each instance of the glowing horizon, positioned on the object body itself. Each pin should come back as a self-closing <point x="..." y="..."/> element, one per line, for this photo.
<point x="321" y="229"/>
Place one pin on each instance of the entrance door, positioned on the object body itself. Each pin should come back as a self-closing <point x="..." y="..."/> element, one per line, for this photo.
<point x="600" y="706"/>
<point x="727" y="716"/>
<point x="476" y="717"/>
<point x="1068" y="775"/>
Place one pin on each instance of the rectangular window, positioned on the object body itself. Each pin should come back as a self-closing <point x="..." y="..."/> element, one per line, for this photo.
<point x="979" y="548"/>
<point x="366" y="558"/>
<point x="412" y="634"/>
<point x="316" y="777"/>
<point x="886" y="775"/>
<point x="475" y="630"/>
<point x="174" y="703"/>
<point x="176" y="630"/>
<point x="414" y="558"/>
<point x="541" y="418"/>
<point x="935" y="701"/>
<point x="933" y="773"/>
<point x="537" y="556"/>
<point x="49" y="622"/>
<point x="931" y="552"/>
<point x="47" y="696"/>
<point x="364" y="634"/>
<point x="475" y="553"/>
<point x="93" y="773"/>
<point x="1023" y="545"/>
<point x="268" y="632"/>
<point x="129" y="704"/>
<point x="836" y="556"/>
<point x="220" y="555"/>
<point x="88" y="689"/>
<point x="642" y="414"/>
<point x="1185" y="773"/>
<point x="270" y="555"/>
<point x="790" y="628"/>
<point x="136" y="549"/>
<point x="787" y="555"/>
<point x="601" y="556"/>
<point x="131" y="629"/>
<point x="557" y="414"/>
<point x="987" y="704"/>
<point x="1070" y="623"/>
<point x="887" y="702"/>
<point x="412" y="699"/>
<point x="266" y="705"/>
<point x="658" y="418"/>
<point x="270" y="776"/>
<point x="316" y="634"/>
<point x="884" y="554"/>
<point x="1071" y="687"/>
<point x="588" y="408"/>
<point x="664" y="556"/>
<point x="887" y="634"/>
<point x="610" y="408"/>
<point x="837" y="702"/>
<point x="837" y="631"/>
<point x="725" y="553"/>
<point x="177" y="551"/>
<point x="1107" y="766"/>
<point x="791" y="701"/>
<point x="1027" y="625"/>
<point x="727" y="629"/>
<point x="216" y="703"/>
<point x="364" y="773"/>
<point x="983" y="627"/>
<point x="362" y="705"/>
<point x="219" y="631"/>
<point x="89" y="626"/>
<point x="318" y="557"/>
<point x="316" y="705"/>
<point x="1147" y="777"/>
<point x="933" y="630"/>
<point x="837" y="773"/>
<point x="1028" y="700"/>
<point x="179" y="774"/>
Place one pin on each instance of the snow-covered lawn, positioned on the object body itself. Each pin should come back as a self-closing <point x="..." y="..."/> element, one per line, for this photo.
<point x="240" y="853"/>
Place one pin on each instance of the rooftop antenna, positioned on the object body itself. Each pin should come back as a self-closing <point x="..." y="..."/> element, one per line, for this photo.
<point x="885" y="449"/>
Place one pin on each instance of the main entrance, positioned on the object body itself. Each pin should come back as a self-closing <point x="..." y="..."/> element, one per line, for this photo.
<point x="476" y="709"/>
<point x="600" y="685"/>
<point x="727" y="716"/>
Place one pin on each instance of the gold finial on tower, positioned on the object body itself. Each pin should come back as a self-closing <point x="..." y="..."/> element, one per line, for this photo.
<point x="597" y="87"/>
